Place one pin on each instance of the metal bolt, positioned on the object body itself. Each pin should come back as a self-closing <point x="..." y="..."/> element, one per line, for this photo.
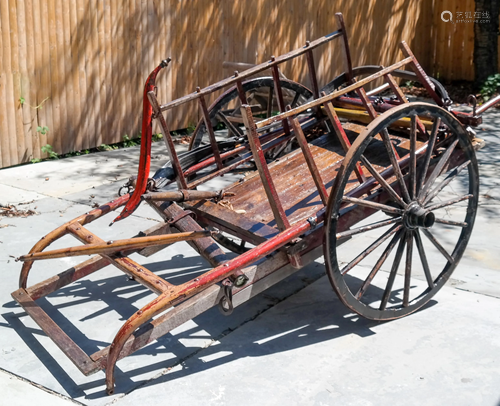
<point x="240" y="280"/>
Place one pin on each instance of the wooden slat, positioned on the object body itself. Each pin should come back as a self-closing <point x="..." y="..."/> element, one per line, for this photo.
<point x="24" y="88"/>
<point x="5" y="14"/>
<point x="66" y="344"/>
<point x="4" y="66"/>
<point x="253" y="231"/>
<point x="17" y="52"/>
<point x="29" y="84"/>
<point x="71" y="37"/>
<point x="65" y="278"/>
<point x="142" y="275"/>
<point x="44" y="83"/>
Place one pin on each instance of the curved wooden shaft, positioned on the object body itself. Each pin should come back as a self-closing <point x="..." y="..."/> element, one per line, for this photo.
<point x="182" y="292"/>
<point x="63" y="230"/>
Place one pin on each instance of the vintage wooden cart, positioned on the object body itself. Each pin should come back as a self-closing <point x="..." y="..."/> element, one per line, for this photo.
<point x="352" y="171"/>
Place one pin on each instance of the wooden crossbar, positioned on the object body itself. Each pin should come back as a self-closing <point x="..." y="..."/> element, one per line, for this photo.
<point x="141" y="274"/>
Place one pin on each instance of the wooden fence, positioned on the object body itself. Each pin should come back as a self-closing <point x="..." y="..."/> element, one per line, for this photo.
<point x="74" y="69"/>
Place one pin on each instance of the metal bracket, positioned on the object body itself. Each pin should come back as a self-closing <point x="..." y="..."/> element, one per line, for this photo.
<point x="313" y="222"/>
<point x="471" y="99"/>
<point x="226" y="302"/>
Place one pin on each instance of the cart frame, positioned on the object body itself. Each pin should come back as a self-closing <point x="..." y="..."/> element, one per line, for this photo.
<point x="292" y="245"/>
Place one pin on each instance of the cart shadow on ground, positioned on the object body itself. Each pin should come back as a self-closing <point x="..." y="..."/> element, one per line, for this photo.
<point x="302" y="320"/>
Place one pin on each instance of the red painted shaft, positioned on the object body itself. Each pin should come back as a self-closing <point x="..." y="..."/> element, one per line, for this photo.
<point x="145" y="158"/>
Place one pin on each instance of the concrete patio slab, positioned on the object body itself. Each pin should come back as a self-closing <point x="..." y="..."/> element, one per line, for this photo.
<point x="19" y="392"/>
<point x="308" y="350"/>
<point x="293" y="344"/>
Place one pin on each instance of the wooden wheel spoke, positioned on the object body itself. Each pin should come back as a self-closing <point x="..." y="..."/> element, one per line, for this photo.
<point x="383" y="183"/>
<point x="449" y="202"/>
<point x="270" y="94"/>
<point x="379" y="280"/>
<point x="413" y="159"/>
<point x="451" y="222"/>
<point x="230" y="126"/>
<point x="295" y="100"/>
<point x="428" y="154"/>
<point x="369" y="227"/>
<point x="409" y="254"/>
<point x="371" y="248"/>
<point x="373" y="205"/>
<point x="438" y="169"/>
<point x="437" y="245"/>
<point x="394" y="162"/>
<point x="452" y="175"/>
<point x="392" y="275"/>
<point x="379" y="263"/>
<point x="423" y="259"/>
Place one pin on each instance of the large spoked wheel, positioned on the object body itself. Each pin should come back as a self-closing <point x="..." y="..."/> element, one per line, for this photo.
<point x="416" y="217"/>
<point x="261" y="96"/>
<point x="360" y="72"/>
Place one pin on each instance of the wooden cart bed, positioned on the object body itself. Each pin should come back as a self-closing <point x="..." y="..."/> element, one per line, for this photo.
<point x="251" y="214"/>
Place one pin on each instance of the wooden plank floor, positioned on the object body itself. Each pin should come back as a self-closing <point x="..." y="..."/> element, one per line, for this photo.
<point x="294" y="183"/>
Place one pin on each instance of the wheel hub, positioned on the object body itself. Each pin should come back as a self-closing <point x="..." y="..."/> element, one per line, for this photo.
<point x="416" y="216"/>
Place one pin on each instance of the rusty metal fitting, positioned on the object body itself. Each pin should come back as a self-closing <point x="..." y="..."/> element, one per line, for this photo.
<point x="185" y="194"/>
<point x="165" y="62"/>
<point x="239" y="279"/>
<point x="312" y="221"/>
<point x="226" y="302"/>
<point x="471" y="99"/>
<point x="151" y="185"/>
<point x="129" y="186"/>
<point x="184" y="213"/>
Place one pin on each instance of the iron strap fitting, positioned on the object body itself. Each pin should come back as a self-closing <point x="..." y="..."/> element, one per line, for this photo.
<point x="185" y="213"/>
<point x="226" y="302"/>
<point x="185" y="194"/>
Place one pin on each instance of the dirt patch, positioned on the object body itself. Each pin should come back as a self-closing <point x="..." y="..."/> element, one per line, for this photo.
<point x="13" y="211"/>
<point x="185" y="139"/>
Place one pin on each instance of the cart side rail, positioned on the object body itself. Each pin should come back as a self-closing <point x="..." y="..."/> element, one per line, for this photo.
<point x="232" y="80"/>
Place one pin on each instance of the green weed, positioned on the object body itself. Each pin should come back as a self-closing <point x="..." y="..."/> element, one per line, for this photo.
<point x="490" y="86"/>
